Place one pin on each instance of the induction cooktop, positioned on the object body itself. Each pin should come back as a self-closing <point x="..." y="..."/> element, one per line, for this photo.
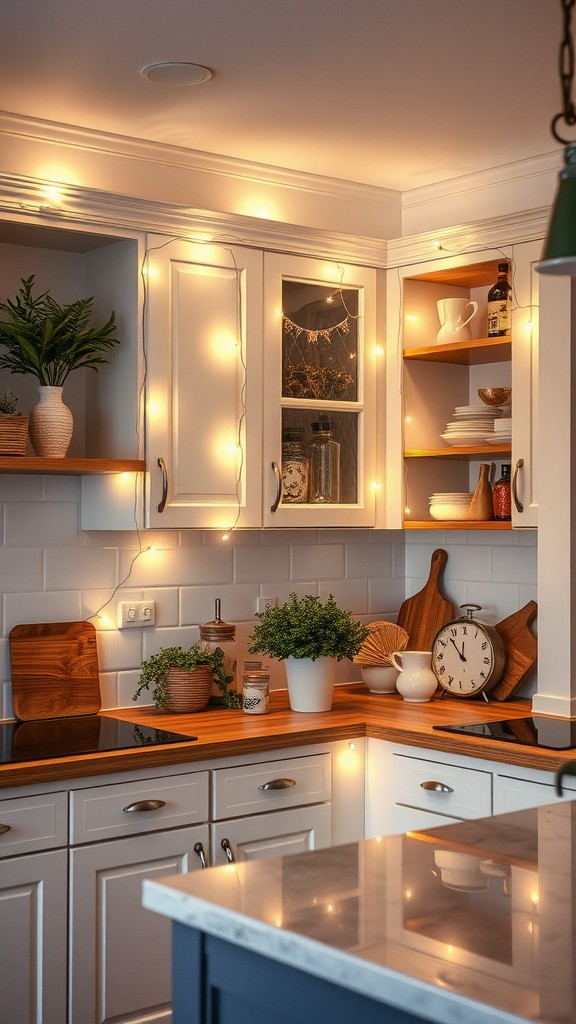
<point x="80" y="734"/>
<point x="532" y="731"/>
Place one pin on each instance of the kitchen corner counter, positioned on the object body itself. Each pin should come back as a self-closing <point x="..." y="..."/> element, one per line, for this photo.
<point x="471" y="921"/>
<point x="355" y="713"/>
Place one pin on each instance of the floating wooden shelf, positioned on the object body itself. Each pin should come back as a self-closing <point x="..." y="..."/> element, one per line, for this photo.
<point x="438" y="524"/>
<point x="465" y="353"/>
<point x="74" y="467"/>
<point x="459" y="452"/>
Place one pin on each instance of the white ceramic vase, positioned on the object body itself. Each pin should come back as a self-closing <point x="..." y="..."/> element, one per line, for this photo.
<point x="51" y="424"/>
<point x="310" y="683"/>
<point x="416" y="682"/>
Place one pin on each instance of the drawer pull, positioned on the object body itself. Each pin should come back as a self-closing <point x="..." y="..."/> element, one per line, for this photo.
<point x="436" y="787"/>
<point x="4" y="829"/>
<point x="225" y="844"/>
<point x="144" y="805"/>
<point x="278" y="784"/>
<point x="164" y="471"/>
<point x="199" y="850"/>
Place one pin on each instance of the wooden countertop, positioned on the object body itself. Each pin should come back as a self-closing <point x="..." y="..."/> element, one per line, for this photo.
<point x="355" y="713"/>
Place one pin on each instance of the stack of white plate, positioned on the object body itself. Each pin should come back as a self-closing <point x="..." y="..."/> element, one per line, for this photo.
<point x="450" y="505"/>
<point x="471" y="424"/>
<point x="502" y="433"/>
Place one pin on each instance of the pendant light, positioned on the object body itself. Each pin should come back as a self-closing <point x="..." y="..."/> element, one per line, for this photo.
<point x="559" y="253"/>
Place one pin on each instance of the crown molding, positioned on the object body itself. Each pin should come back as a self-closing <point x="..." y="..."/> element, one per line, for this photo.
<point x="480" y="181"/>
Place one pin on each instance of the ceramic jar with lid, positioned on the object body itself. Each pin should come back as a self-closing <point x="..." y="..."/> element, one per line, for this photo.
<point x="219" y="633"/>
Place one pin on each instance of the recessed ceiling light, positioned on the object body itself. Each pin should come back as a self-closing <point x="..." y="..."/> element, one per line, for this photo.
<point x="176" y="72"/>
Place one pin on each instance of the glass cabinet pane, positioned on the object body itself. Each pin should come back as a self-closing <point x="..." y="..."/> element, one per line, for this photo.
<point x="319" y="342"/>
<point x="314" y="481"/>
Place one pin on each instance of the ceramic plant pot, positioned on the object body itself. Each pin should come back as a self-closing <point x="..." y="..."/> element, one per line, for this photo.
<point x="310" y="683"/>
<point x="189" y="689"/>
<point x="51" y="424"/>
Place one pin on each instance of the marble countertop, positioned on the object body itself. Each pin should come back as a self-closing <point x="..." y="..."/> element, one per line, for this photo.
<point x="470" y="921"/>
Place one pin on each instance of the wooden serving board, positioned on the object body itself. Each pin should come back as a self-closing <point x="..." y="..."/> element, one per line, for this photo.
<point x="423" y="614"/>
<point x="54" y="670"/>
<point x="521" y="650"/>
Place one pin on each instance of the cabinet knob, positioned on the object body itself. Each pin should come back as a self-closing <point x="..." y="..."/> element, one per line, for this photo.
<point x="436" y="787"/>
<point x="225" y="844"/>
<point x="199" y="851"/>
<point x="4" y="829"/>
<point x="278" y="784"/>
<point x="517" y="467"/>
<point x="144" y="805"/>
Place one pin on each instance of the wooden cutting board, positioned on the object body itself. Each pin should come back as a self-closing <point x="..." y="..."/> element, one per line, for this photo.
<point x="54" y="670"/>
<point x="423" y="614"/>
<point x="521" y="650"/>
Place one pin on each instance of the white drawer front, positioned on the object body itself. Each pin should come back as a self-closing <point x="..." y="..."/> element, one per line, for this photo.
<point x="35" y="823"/>
<point x="119" y="810"/>
<point x="459" y="792"/>
<point x="290" y="783"/>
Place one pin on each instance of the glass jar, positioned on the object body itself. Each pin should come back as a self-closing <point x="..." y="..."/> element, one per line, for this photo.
<point x="218" y="633"/>
<point x="294" y="466"/>
<point x="501" y="495"/>
<point x="255" y="692"/>
<point x="324" y="454"/>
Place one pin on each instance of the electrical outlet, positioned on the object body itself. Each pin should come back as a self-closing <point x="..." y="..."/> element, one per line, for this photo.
<point x="263" y="603"/>
<point x="132" y="614"/>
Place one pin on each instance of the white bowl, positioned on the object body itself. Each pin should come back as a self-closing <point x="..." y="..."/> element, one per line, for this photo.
<point x="380" y="678"/>
<point x="453" y="510"/>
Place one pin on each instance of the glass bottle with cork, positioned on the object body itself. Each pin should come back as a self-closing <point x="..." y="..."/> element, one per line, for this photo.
<point x="219" y="633"/>
<point x="324" y="454"/>
<point x="500" y="305"/>
<point x="501" y="495"/>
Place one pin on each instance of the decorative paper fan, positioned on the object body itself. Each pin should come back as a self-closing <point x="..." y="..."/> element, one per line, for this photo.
<point x="383" y="639"/>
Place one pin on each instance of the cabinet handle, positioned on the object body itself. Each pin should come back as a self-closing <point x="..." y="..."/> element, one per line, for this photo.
<point x="225" y="844"/>
<point x="436" y="787"/>
<point x="517" y="502"/>
<point x="278" y="784"/>
<point x="276" y="501"/>
<point x="199" y="850"/>
<point x="144" y="805"/>
<point x="162" y="502"/>
<point x="4" y="829"/>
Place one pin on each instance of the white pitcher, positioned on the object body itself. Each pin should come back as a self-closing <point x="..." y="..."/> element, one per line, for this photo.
<point x="416" y="682"/>
<point x="452" y="316"/>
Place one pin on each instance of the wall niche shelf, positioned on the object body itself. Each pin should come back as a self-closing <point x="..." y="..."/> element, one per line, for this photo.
<point x="460" y="452"/>
<point x="72" y="467"/>
<point x="464" y="353"/>
<point x="448" y="524"/>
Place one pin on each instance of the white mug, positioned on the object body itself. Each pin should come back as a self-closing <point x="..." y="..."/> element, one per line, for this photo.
<point x="452" y="316"/>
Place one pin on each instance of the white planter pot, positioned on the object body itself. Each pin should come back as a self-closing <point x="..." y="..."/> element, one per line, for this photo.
<point x="310" y="683"/>
<point x="51" y="424"/>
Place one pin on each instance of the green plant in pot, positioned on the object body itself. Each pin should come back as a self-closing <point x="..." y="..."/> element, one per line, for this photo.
<point x="309" y="636"/>
<point x="13" y="426"/>
<point x="47" y="340"/>
<point x="181" y="680"/>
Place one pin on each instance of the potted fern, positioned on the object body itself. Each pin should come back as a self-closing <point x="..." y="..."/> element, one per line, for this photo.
<point x="310" y="637"/>
<point x="47" y="340"/>
<point x="181" y="680"/>
<point x="13" y="426"/>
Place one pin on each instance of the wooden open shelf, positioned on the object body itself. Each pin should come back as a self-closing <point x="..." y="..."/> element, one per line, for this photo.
<point x="459" y="452"/>
<point x="465" y="353"/>
<point x="449" y="524"/>
<point x="74" y="467"/>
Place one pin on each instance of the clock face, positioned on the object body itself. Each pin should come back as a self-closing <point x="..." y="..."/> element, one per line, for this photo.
<point x="463" y="658"/>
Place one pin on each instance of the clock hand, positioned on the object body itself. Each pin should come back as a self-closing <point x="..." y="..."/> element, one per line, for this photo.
<point x="459" y="653"/>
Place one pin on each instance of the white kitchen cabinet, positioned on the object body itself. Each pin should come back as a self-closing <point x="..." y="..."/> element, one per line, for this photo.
<point x="436" y="377"/>
<point x="270" y="809"/>
<point x="516" y="790"/>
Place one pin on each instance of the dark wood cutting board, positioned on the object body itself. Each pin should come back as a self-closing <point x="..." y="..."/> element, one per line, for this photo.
<point x="521" y="650"/>
<point x="423" y="614"/>
<point x="54" y="670"/>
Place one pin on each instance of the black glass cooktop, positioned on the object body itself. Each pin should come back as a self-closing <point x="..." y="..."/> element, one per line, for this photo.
<point x="82" y="734"/>
<point x="533" y="731"/>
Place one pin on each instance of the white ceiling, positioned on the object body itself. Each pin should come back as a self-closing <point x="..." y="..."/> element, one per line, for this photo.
<point x="393" y="93"/>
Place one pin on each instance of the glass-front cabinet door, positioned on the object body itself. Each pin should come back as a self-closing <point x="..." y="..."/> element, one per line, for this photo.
<point x="321" y="364"/>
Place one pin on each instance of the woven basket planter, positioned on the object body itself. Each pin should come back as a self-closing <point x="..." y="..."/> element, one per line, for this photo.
<point x="189" y="690"/>
<point x="13" y="434"/>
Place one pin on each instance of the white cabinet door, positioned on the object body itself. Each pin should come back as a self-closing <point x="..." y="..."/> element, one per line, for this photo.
<point x="321" y="360"/>
<point x="33" y="938"/>
<point x="119" y="952"/>
<point x="204" y="385"/>
<point x="271" y="835"/>
<point x="516" y="794"/>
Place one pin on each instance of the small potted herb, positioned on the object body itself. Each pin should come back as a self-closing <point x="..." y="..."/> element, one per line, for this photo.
<point x="310" y="636"/>
<point x="181" y="680"/>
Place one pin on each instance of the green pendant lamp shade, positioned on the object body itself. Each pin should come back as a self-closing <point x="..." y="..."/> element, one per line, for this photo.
<point x="559" y="253"/>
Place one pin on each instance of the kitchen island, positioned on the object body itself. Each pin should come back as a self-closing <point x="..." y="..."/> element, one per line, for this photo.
<point x="466" y="922"/>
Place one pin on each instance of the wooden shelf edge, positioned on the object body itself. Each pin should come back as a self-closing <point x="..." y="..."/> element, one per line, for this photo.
<point x="470" y="353"/>
<point x="458" y="451"/>
<point x="438" y="524"/>
<point x="74" y="467"/>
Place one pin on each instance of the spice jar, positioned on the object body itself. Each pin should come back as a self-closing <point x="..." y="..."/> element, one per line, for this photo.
<point x="255" y="692"/>
<point x="294" y="466"/>
<point x="501" y="495"/>
<point x="218" y="633"/>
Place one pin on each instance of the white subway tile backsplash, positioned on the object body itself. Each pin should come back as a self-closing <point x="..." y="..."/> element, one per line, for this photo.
<point x="237" y="603"/>
<point x="71" y="567"/>
<point x="349" y="594"/>
<point x="20" y="487"/>
<point x="127" y="684"/>
<point x="519" y="564"/>
<point x="22" y="569"/>
<point x="119" y="649"/>
<point x="180" y="636"/>
<point x="385" y="595"/>
<point x="61" y="488"/>
<point x="60" y="606"/>
<point x="108" y="690"/>
<point x="47" y="523"/>
<point x="315" y="562"/>
<point x="255" y="563"/>
<point x="179" y="567"/>
<point x="369" y="560"/>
